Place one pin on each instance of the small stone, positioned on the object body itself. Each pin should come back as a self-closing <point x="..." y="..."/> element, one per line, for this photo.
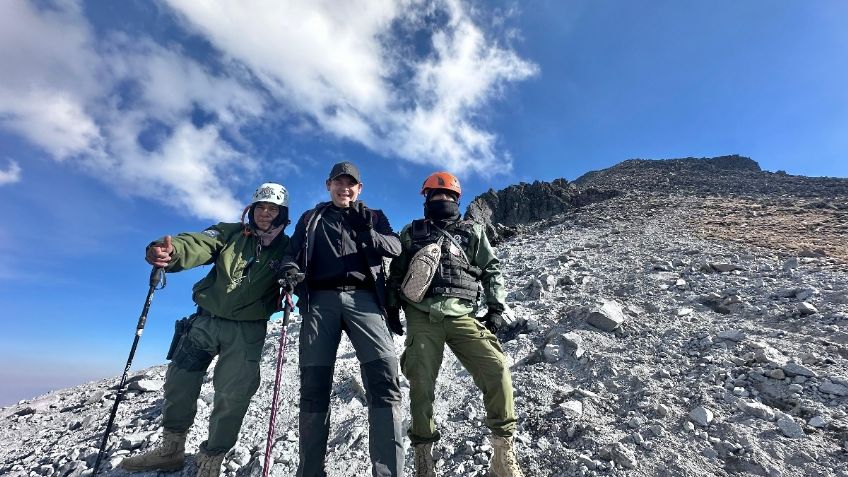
<point x="623" y="456"/>
<point x="701" y="415"/>
<point x="795" y="388"/>
<point x="662" y="410"/>
<point x="635" y="422"/>
<point x="777" y="374"/>
<point x="789" y="427"/>
<point x="681" y="283"/>
<point x="795" y="369"/>
<point x="756" y="409"/>
<point x="684" y="311"/>
<point x="805" y="309"/>
<point x="731" y="335"/>
<point x="572" y="409"/>
<point x="740" y="391"/>
<point x="96" y="396"/>
<point x="817" y="421"/>
<point x="607" y="317"/>
<point x="725" y="267"/>
<point x="147" y="385"/>
<point x="553" y="352"/>
<point x="790" y="264"/>
<point x="833" y="388"/>
<point x="132" y="441"/>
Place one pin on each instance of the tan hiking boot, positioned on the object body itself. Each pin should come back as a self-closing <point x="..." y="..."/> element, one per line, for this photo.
<point x="168" y="455"/>
<point x="504" y="463"/>
<point x="425" y="466"/>
<point x="208" y="465"/>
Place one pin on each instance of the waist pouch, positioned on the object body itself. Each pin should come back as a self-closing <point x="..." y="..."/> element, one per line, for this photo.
<point x="181" y="329"/>
<point x="422" y="269"/>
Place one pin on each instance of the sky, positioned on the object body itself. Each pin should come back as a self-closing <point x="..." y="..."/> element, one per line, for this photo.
<point x="121" y="122"/>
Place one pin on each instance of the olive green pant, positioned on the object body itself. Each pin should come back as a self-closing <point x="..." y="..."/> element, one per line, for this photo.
<point x="238" y="345"/>
<point x="479" y="352"/>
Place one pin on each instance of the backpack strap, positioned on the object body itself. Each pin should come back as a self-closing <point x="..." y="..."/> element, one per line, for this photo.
<point x="420" y="229"/>
<point x="312" y="218"/>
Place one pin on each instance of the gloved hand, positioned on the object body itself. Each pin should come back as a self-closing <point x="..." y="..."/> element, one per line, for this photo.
<point x="393" y="320"/>
<point x="290" y="275"/>
<point x="359" y="217"/>
<point x="493" y="320"/>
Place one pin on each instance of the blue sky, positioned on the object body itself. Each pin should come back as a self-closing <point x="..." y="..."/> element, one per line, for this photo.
<point x="124" y="121"/>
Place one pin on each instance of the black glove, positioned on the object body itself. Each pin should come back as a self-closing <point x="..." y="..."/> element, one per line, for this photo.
<point x="493" y="320"/>
<point x="290" y="276"/>
<point x="359" y="217"/>
<point x="393" y="320"/>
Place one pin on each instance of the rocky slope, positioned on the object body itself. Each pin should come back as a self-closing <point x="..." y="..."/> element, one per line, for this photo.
<point x="648" y="343"/>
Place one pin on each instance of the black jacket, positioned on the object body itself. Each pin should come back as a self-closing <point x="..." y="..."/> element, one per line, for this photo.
<point x="380" y="242"/>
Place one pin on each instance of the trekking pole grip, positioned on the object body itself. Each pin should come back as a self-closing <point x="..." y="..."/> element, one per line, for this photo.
<point x="157" y="276"/>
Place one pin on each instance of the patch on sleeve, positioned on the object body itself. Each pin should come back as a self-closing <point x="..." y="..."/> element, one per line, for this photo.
<point x="211" y="233"/>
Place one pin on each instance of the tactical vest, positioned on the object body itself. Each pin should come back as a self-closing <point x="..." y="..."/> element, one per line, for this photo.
<point x="455" y="276"/>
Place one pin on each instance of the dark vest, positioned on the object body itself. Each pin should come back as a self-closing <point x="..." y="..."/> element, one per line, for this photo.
<point x="455" y="277"/>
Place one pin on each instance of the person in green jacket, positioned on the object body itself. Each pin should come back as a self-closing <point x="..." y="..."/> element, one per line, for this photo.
<point x="234" y="302"/>
<point x="441" y="310"/>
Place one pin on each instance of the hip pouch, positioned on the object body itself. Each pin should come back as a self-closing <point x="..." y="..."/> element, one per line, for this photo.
<point x="181" y="329"/>
<point x="422" y="269"/>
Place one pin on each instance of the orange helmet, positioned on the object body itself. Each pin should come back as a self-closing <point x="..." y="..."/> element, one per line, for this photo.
<point x="441" y="180"/>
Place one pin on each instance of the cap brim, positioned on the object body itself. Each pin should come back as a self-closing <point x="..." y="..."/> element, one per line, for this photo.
<point x="345" y="174"/>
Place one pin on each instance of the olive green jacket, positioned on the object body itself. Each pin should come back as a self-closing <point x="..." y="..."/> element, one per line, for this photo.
<point x="480" y="253"/>
<point x="242" y="282"/>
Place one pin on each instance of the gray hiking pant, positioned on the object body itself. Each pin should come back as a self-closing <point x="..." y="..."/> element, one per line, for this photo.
<point x="358" y="314"/>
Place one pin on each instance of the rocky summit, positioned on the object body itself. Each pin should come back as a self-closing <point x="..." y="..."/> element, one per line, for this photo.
<point x="691" y="318"/>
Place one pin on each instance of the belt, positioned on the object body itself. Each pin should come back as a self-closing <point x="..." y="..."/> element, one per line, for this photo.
<point x="205" y="312"/>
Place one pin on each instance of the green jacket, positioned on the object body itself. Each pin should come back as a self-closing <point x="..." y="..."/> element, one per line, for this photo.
<point x="480" y="254"/>
<point x="242" y="283"/>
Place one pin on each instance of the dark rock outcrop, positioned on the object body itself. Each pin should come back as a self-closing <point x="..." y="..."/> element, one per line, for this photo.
<point x="505" y="211"/>
<point x="526" y="203"/>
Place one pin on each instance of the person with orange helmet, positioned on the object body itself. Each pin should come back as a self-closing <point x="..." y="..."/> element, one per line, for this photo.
<point x="437" y="281"/>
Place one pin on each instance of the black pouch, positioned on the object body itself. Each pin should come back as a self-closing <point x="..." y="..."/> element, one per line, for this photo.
<point x="181" y="329"/>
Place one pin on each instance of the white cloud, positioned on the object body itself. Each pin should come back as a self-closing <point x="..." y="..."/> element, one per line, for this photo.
<point x="10" y="175"/>
<point x="121" y="106"/>
<point x="346" y="66"/>
<point x="90" y="100"/>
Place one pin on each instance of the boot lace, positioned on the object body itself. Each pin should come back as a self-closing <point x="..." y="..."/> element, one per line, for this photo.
<point x="209" y="466"/>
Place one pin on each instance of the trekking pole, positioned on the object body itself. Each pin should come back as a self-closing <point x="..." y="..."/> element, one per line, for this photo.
<point x="287" y="308"/>
<point x="157" y="282"/>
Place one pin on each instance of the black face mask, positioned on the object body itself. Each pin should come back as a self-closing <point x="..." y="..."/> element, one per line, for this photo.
<point x="441" y="210"/>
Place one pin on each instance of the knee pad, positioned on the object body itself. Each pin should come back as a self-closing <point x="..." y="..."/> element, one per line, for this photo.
<point x="315" y="385"/>
<point x="380" y="378"/>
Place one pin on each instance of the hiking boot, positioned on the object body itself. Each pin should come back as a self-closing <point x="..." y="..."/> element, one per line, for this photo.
<point x="168" y="455"/>
<point x="208" y="465"/>
<point x="425" y="466"/>
<point x="504" y="463"/>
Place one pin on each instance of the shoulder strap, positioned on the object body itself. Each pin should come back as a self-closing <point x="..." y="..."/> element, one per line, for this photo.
<point x="450" y="237"/>
<point x="312" y="219"/>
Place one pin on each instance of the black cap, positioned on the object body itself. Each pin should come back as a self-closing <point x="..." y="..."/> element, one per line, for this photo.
<point x="345" y="168"/>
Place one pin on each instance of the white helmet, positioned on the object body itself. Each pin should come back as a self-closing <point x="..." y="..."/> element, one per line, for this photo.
<point x="271" y="192"/>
